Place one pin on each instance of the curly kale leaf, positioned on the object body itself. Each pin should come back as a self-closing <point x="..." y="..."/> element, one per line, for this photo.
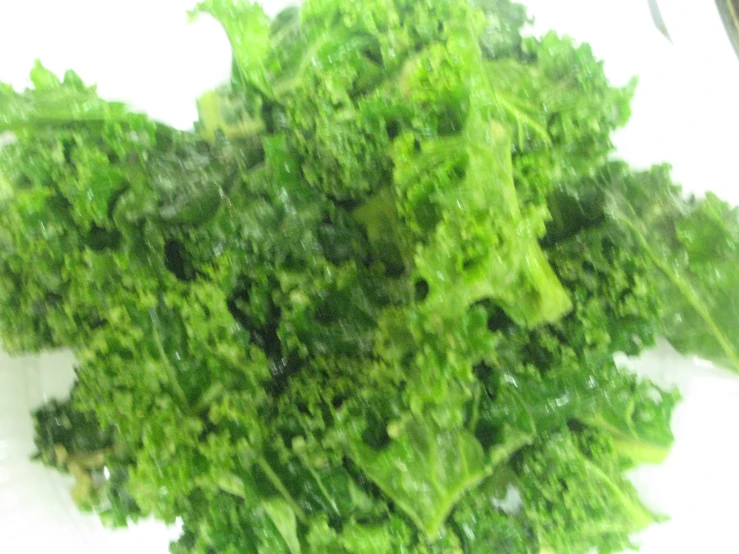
<point x="635" y="413"/>
<point x="483" y="524"/>
<point x="248" y="28"/>
<point x="53" y="103"/>
<point x="74" y="442"/>
<point x="576" y="497"/>
<point x="382" y="282"/>
<point x="88" y="208"/>
<point x="693" y="244"/>
<point x="689" y="244"/>
<point x="482" y="245"/>
<point x="425" y="472"/>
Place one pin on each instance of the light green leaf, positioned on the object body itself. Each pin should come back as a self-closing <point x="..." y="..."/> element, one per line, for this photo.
<point x="53" y="102"/>
<point x="248" y="29"/>
<point x="425" y="471"/>
<point x="282" y="515"/>
<point x="694" y="245"/>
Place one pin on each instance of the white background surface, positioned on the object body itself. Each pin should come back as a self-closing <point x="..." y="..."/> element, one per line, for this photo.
<point x="686" y="111"/>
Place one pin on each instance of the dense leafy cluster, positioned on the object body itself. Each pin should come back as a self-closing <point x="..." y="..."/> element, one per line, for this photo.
<point x="380" y="285"/>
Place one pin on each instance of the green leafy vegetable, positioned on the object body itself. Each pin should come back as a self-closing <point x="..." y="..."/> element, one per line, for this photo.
<point x="54" y="103"/>
<point x="442" y="467"/>
<point x="379" y="287"/>
<point x="75" y="443"/>
<point x="693" y="244"/>
<point x="576" y="497"/>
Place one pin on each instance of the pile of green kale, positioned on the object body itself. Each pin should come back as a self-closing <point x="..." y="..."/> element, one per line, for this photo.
<point x="379" y="286"/>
